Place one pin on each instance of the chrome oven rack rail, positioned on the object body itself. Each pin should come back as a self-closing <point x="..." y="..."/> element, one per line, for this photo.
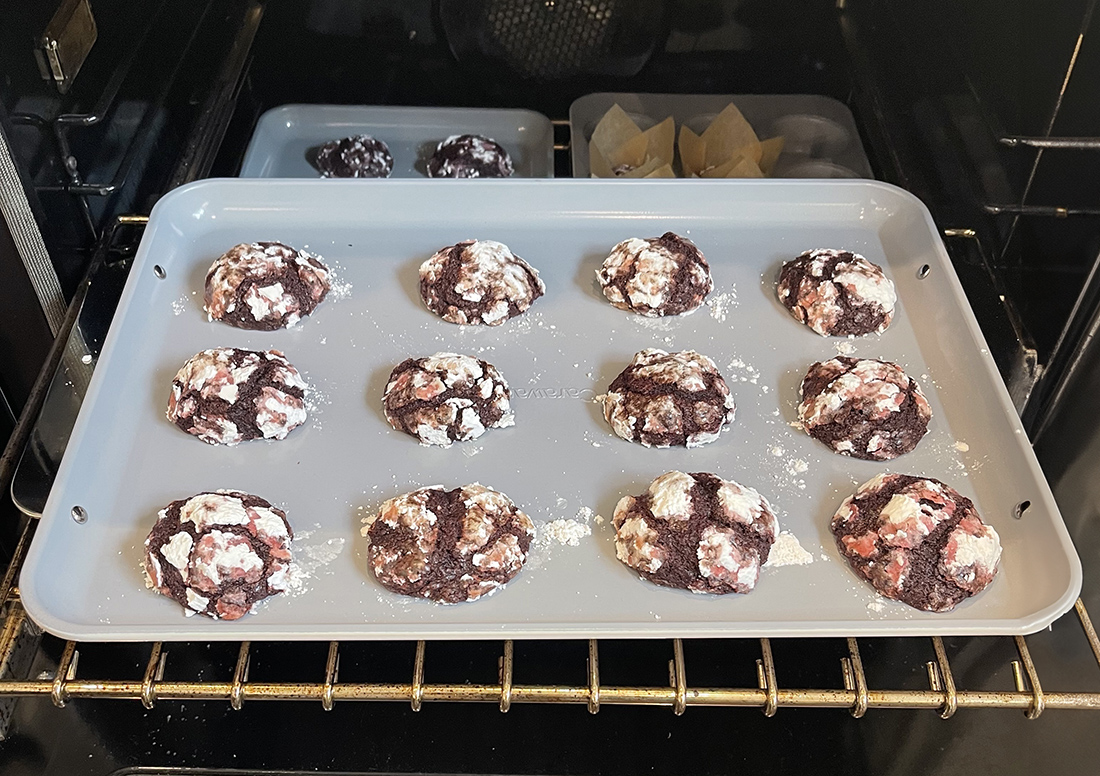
<point x="855" y="694"/>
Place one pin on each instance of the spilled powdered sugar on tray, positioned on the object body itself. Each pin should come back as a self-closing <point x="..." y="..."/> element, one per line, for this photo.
<point x="668" y="323"/>
<point x="315" y="401"/>
<point x="846" y="347"/>
<point x="721" y="304"/>
<point x="787" y="472"/>
<point x="739" y="371"/>
<point x="787" y="551"/>
<point x="566" y="532"/>
<point x="309" y="559"/>
<point x="338" y="289"/>
<point x="562" y="532"/>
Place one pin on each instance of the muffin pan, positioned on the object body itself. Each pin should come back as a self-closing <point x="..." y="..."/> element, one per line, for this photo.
<point x="83" y="577"/>
<point x="821" y="139"/>
<point x="286" y="137"/>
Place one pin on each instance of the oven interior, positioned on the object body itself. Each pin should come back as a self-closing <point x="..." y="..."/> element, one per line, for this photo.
<point x="984" y="110"/>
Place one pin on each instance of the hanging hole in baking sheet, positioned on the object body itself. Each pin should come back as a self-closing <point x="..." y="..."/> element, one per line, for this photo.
<point x="79" y="513"/>
<point x="1022" y="507"/>
<point x="922" y="273"/>
<point x="159" y="271"/>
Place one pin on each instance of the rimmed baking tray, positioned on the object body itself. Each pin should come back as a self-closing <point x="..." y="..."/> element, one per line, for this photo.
<point x="286" y="136"/>
<point x="125" y="461"/>
<point x="822" y="140"/>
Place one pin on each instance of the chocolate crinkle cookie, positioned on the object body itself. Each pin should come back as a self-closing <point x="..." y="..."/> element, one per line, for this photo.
<point x="265" y="286"/>
<point x="358" y="156"/>
<point x="837" y="293"/>
<point x="478" y="282"/>
<point x="863" y="408"/>
<point x="226" y="396"/>
<point x="447" y="398"/>
<point x="664" y="275"/>
<point x="697" y="532"/>
<point x="469" y="156"/>
<point x="664" y="399"/>
<point x="218" y="553"/>
<point x="917" y="540"/>
<point x="449" y="546"/>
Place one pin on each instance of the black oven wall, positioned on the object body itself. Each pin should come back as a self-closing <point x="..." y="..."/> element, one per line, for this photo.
<point x="987" y="111"/>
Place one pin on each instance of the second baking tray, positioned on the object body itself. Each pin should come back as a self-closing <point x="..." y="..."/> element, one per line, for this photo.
<point x="286" y="137"/>
<point x="125" y="461"/>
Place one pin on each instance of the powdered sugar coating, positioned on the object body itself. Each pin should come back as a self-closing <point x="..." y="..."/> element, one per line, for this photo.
<point x="265" y="285"/>
<point x="447" y="398"/>
<point x="226" y="396"/>
<point x="218" y="553"/>
<point x="469" y="156"/>
<point x="864" y="408"/>
<point x="478" y="282"/>
<point x="654" y="277"/>
<point x="664" y="399"/>
<point x="449" y="546"/>
<point x="696" y="532"/>
<point x="837" y="292"/>
<point x="357" y="156"/>
<point x="917" y="540"/>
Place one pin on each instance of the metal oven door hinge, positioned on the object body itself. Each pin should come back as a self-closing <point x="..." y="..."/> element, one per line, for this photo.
<point x="65" y="44"/>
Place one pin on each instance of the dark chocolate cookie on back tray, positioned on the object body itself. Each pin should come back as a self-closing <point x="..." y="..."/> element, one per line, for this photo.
<point x="478" y="282"/>
<point x="697" y="532"/>
<point x="470" y="156"/>
<point x="917" y="540"/>
<point x="265" y="286"/>
<point x="357" y="156"/>
<point x="837" y="293"/>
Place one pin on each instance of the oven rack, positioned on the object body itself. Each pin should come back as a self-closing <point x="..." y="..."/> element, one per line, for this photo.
<point x="855" y="694"/>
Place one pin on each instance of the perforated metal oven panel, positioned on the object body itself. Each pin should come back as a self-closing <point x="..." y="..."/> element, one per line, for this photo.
<point x="550" y="39"/>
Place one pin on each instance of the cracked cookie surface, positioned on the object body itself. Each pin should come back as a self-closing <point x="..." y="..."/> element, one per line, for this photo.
<point x="655" y="277"/>
<point x="225" y="396"/>
<point x="218" y="553"/>
<point x="478" y="282"/>
<point x="357" y="156"/>
<point x="837" y="293"/>
<point x="917" y="540"/>
<point x="449" y="546"/>
<point x="697" y="532"/>
<point x="447" y="398"/>
<point x="664" y="399"/>
<point x="470" y="156"/>
<point x="265" y="286"/>
<point x="864" y="408"/>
